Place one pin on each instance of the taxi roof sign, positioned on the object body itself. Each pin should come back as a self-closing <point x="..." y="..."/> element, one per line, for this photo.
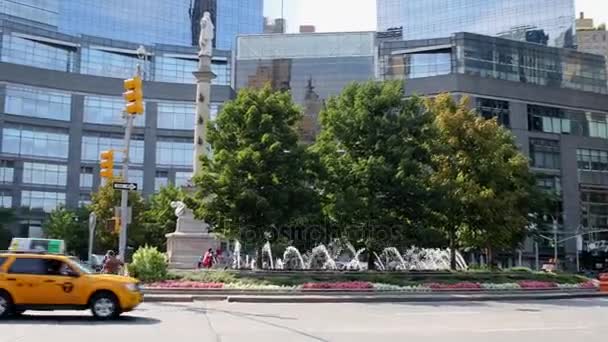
<point x="37" y="245"/>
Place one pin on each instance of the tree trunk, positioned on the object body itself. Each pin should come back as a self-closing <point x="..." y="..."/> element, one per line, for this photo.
<point x="371" y="265"/>
<point x="453" y="249"/>
<point x="491" y="258"/>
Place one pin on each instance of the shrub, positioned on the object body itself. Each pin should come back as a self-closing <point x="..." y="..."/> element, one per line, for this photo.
<point x="520" y="269"/>
<point x="149" y="264"/>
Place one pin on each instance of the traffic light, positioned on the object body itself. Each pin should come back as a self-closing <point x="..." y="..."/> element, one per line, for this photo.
<point x="107" y="164"/>
<point x="134" y="96"/>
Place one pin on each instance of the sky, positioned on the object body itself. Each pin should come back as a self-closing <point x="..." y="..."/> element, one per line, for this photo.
<point x="329" y="15"/>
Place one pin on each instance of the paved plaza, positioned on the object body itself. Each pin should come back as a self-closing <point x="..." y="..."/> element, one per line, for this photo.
<point x="566" y="320"/>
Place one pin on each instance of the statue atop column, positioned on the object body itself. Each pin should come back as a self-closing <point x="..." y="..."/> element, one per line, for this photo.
<point x="205" y="39"/>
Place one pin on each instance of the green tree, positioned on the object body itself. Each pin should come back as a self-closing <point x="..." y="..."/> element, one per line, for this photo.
<point x="6" y="217"/>
<point x="103" y="203"/>
<point x="159" y="218"/>
<point x="70" y="226"/>
<point x="257" y="179"/>
<point x="485" y="181"/>
<point x="374" y="151"/>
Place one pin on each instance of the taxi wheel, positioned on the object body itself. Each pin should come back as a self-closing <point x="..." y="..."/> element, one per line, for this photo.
<point x="105" y="306"/>
<point x="6" y="305"/>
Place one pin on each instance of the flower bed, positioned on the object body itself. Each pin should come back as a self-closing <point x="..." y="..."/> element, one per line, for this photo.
<point x="353" y="285"/>
<point x="375" y="287"/>
<point x="177" y="284"/>
<point x="457" y="286"/>
<point x="537" y="285"/>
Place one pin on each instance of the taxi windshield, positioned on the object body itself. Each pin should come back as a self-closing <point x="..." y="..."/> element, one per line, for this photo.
<point x="82" y="267"/>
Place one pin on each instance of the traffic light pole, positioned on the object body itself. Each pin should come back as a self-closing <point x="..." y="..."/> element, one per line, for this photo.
<point x="124" y="198"/>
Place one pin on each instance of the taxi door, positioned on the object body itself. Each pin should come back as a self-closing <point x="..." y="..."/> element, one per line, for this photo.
<point x="23" y="279"/>
<point x="4" y="282"/>
<point x="62" y="285"/>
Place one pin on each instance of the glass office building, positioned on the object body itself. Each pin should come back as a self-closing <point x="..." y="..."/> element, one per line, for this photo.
<point x="44" y="13"/>
<point x="173" y="22"/>
<point x="541" y="21"/>
<point x="312" y="67"/>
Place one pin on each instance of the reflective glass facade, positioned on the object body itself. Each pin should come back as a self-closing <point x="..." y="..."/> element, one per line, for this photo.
<point x="37" y="102"/>
<point x="174" y="152"/>
<point x="7" y="172"/>
<point x="305" y="63"/>
<point x="42" y="200"/>
<point x="237" y="17"/>
<point x="93" y="145"/>
<point x="38" y="54"/>
<point x="45" y="174"/>
<point x="107" y="111"/>
<point x="172" y="22"/>
<point x="496" y="58"/>
<point x="179" y="70"/>
<point x="139" y="21"/>
<point x="37" y="11"/>
<point x="35" y="141"/>
<point x="542" y="21"/>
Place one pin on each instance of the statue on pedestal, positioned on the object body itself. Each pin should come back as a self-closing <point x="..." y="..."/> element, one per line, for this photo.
<point x="205" y="40"/>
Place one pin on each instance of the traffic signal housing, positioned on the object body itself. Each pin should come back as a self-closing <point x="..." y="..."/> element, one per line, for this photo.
<point x="134" y="96"/>
<point x="107" y="164"/>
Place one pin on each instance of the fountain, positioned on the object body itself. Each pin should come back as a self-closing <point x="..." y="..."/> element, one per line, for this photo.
<point x="320" y="259"/>
<point x="266" y="251"/>
<point x="339" y="255"/>
<point x="292" y="259"/>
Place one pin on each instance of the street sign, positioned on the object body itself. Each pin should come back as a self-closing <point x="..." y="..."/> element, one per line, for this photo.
<point x="125" y="186"/>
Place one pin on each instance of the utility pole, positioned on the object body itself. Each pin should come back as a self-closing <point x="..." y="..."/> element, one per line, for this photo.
<point x="555" y="241"/>
<point x="134" y="106"/>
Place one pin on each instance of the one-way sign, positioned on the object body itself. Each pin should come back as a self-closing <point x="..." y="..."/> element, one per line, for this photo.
<point x="125" y="186"/>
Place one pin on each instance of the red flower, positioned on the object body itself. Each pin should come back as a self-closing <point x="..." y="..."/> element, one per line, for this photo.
<point x="354" y="285"/>
<point x="174" y="284"/>
<point x="533" y="284"/>
<point x="587" y="285"/>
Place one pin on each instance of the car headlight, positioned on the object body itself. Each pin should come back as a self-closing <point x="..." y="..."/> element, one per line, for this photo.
<point x="132" y="287"/>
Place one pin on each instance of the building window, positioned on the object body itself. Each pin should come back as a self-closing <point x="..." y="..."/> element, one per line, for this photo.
<point x="30" y="141"/>
<point x="549" y="120"/>
<point x="6" y="200"/>
<point x="418" y="65"/>
<point x="84" y="200"/>
<point x="594" y="207"/>
<point x="38" y="54"/>
<point x="489" y="109"/>
<point x="7" y="171"/>
<point x="86" y="177"/>
<point x="137" y="177"/>
<point x="161" y="180"/>
<point x="592" y="160"/>
<point x="221" y="69"/>
<point x="40" y="200"/>
<point x="46" y="174"/>
<point x="177" y="152"/>
<point x="175" y="70"/>
<point x="92" y="146"/>
<point x="182" y="178"/>
<point x="37" y="102"/>
<point x="549" y="183"/>
<point x="108" y="111"/>
<point x="545" y="154"/>
<point x="109" y="64"/>
<point x="176" y="115"/>
<point x="598" y="129"/>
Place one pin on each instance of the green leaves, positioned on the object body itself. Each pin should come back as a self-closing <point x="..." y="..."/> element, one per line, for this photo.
<point x="71" y="226"/>
<point x="258" y="176"/>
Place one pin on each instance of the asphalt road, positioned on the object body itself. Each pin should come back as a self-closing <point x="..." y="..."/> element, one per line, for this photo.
<point x="556" y="321"/>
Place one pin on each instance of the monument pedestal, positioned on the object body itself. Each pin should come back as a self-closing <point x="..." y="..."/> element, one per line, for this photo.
<point x="189" y="242"/>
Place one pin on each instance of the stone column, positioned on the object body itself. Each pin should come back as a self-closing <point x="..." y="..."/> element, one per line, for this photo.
<point x="203" y="76"/>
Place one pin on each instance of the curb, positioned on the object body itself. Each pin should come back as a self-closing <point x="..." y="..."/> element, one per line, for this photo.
<point x="411" y="299"/>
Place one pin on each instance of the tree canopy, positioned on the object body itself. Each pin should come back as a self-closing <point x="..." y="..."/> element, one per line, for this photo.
<point x="375" y="149"/>
<point x="257" y="180"/>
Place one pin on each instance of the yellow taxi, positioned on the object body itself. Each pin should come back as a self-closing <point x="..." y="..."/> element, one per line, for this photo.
<point x="43" y="281"/>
